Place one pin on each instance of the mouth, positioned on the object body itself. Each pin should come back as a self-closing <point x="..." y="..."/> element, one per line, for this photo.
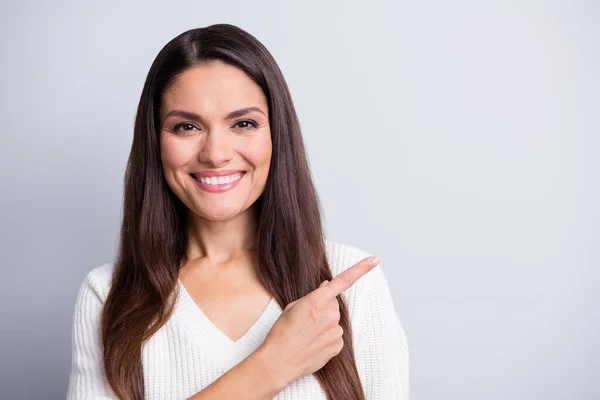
<point x="218" y="183"/>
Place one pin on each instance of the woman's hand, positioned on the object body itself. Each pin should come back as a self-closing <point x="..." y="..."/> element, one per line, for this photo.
<point x="307" y="334"/>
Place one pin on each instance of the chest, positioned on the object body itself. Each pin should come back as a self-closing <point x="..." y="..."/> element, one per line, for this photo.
<point x="231" y="299"/>
<point x="179" y="361"/>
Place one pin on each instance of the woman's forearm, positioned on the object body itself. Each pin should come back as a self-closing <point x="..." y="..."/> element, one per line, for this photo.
<point x="254" y="378"/>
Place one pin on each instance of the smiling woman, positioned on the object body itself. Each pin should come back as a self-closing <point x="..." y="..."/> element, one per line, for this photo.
<point x="213" y="117"/>
<point x="224" y="286"/>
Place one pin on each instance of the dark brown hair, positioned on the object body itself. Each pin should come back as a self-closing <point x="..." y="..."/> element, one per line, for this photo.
<point x="290" y="244"/>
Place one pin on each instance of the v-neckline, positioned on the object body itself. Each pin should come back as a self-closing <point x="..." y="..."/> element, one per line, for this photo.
<point x="209" y="334"/>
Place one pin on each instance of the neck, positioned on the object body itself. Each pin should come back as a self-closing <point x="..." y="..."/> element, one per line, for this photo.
<point x="222" y="241"/>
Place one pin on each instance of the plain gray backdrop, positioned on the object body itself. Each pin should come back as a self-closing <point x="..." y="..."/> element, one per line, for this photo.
<point x="456" y="140"/>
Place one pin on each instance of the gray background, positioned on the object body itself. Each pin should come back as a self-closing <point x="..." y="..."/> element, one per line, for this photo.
<point x="456" y="140"/>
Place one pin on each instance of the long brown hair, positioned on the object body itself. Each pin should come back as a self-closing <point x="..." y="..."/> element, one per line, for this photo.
<point x="290" y="244"/>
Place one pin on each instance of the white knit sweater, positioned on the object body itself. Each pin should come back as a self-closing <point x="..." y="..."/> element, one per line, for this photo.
<point x="189" y="352"/>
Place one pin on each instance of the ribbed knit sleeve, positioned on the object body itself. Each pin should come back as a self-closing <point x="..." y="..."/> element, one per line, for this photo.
<point x="87" y="380"/>
<point x="379" y="340"/>
<point x="381" y="347"/>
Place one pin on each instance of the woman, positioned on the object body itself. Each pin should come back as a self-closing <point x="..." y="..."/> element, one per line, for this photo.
<point x="224" y="286"/>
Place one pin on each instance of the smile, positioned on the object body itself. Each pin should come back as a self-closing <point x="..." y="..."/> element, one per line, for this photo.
<point x="218" y="183"/>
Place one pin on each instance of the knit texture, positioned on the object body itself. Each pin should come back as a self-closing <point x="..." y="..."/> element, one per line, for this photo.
<point x="188" y="353"/>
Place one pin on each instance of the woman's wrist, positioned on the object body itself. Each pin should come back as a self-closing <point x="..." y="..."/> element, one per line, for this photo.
<point x="254" y="378"/>
<point x="267" y="362"/>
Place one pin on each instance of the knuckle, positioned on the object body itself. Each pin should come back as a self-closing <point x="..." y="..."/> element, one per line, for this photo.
<point x="336" y="304"/>
<point x="346" y="277"/>
<point x="340" y="345"/>
<point x="336" y="312"/>
<point x="314" y="309"/>
<point x="334" y="316"/>
<point x="332" y="304"/>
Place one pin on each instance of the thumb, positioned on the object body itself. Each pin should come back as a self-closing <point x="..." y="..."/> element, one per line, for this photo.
<point x="323" y="283"/>
<point x="292" y="303"/>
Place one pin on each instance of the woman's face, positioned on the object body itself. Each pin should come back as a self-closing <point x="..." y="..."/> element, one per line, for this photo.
<point x="214" y="120"/>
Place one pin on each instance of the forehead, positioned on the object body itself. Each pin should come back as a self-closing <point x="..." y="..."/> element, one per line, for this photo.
<point x="212" y="86"/>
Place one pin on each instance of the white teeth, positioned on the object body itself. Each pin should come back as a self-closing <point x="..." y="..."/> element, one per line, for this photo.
<point x="221" y="180"/>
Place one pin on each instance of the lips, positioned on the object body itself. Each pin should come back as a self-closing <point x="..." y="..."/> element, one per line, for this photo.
<point x="211" y="184"/>
<point x="209" y="173"/>
<point x="219" y="180"/>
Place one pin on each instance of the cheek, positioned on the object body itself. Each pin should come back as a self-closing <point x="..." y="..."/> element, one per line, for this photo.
<point x="260" y="153"/>
<point x="173" y="154"/>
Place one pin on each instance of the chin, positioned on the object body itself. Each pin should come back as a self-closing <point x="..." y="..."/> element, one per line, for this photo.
<point x="218" y="215"/>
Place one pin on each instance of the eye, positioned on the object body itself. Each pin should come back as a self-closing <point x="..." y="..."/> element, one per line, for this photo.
<point x="246" y="124"/>
<point x="183" y="127"/>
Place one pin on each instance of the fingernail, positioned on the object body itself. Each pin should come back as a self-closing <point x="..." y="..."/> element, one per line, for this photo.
<point x="374" y="261"/>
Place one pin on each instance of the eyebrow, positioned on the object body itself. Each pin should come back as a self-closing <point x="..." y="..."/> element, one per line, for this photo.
<point x="196" y="117"/>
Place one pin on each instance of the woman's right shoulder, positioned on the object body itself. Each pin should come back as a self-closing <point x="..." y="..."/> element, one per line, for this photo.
<point x="87" y="379"/>
<point x="98" y="280"/>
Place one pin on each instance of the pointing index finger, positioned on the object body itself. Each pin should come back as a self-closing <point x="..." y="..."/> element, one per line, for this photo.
<point x="347" y="278"/>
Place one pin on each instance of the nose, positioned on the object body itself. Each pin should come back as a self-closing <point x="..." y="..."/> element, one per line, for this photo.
<point x="216" y="148"/>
